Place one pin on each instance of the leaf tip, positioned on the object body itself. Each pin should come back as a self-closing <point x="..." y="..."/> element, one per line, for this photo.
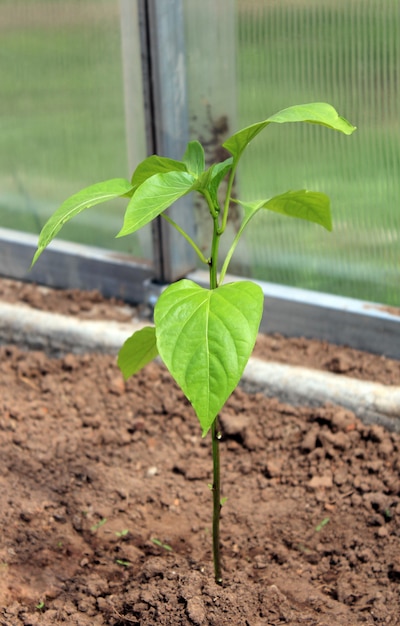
<point x="348" y="127"/>
<point x="36" y="256"/>
<point x="204" y="432"/>
<point x="125" y="374"/>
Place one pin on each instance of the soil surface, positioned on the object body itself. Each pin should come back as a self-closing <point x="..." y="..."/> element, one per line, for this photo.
<point x="106" y="511"/>
<point x="84" y="304"/>
<point x="295" y="350"/>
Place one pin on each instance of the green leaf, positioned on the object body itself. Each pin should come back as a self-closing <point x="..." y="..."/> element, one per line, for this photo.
<point x="84" y="199"/>
<point x="313" y="113"/>
<point x="240" y="140"/>
<point x="219" y="171"/>
<point x="211" y="179"/>
<point x="137" y="351"/>
<point x="153" y="196"/>
<point x="194" y="158"/>
<point x="306" y="205"/>
<point x="155" y="165"/>
<point x="205" y="338"/>
<point x="215" y="174"/>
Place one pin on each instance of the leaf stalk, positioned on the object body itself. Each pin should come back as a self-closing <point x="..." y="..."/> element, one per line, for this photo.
<point x="228" y="196"/>
<point x="187" y="237"/>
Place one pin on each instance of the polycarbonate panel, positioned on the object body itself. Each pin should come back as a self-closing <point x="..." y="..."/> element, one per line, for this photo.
<point x="211" y="43"/>
<point x="345" y="52"/>
<point x="66" y="107"/>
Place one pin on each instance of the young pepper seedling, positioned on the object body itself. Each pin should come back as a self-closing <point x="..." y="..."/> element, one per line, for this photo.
<point x="204" y="336"/>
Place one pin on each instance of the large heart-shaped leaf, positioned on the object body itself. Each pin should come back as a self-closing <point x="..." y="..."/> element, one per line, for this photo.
<point x="205" y="338"/>
<point x="153" y="196"/>
<point x="313" y="113"/>
<point x="84" y="199"/>
<point x="137" y="351"/>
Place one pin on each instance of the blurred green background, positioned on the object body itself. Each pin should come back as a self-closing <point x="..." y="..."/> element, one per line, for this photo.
<point x="62" y="127"/>
<point x="62" y="120"/>
<point x="345" y="53"/>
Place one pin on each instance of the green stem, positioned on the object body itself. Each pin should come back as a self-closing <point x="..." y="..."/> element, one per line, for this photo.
<point x="213" y="262"/>
<point x="235" y="242"/>
<point x="228" y="197"/>
<point x="187" y="237"/>
<point x="213" y="210"/>
<point x="216" y="485"/>
<point x="229" y="256"/>
<point x="216" y="489"/>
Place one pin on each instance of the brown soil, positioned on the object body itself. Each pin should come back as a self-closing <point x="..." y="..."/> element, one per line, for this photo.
<point x="94" y="470"/>
<point x="84" y="304"/>
<point x="295" y="350"/>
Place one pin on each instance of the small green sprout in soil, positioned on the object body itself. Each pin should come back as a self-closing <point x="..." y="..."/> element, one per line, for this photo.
<point x="321" y="525"/>
<point x="388" y="514"/>
<point x="159" y="543"/>
<point x="204" y="336"/>
<point x="304" y="549"/>
<point x="98" y="525"/>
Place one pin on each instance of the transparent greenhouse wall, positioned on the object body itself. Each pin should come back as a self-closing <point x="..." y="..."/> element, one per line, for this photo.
<point x="211" y="42"/>
<point x="345" y="52"/>
<point x="63" y="86"/>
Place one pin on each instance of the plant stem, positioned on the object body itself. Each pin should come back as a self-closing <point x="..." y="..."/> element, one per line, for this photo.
<point x="235" y="242"/>
<point x="216" y="489"/>
<point x="228" y="197"/>
<point x="216" y="485"/>
<point x="213" y="262"/>
<point x="186" y="236"/>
